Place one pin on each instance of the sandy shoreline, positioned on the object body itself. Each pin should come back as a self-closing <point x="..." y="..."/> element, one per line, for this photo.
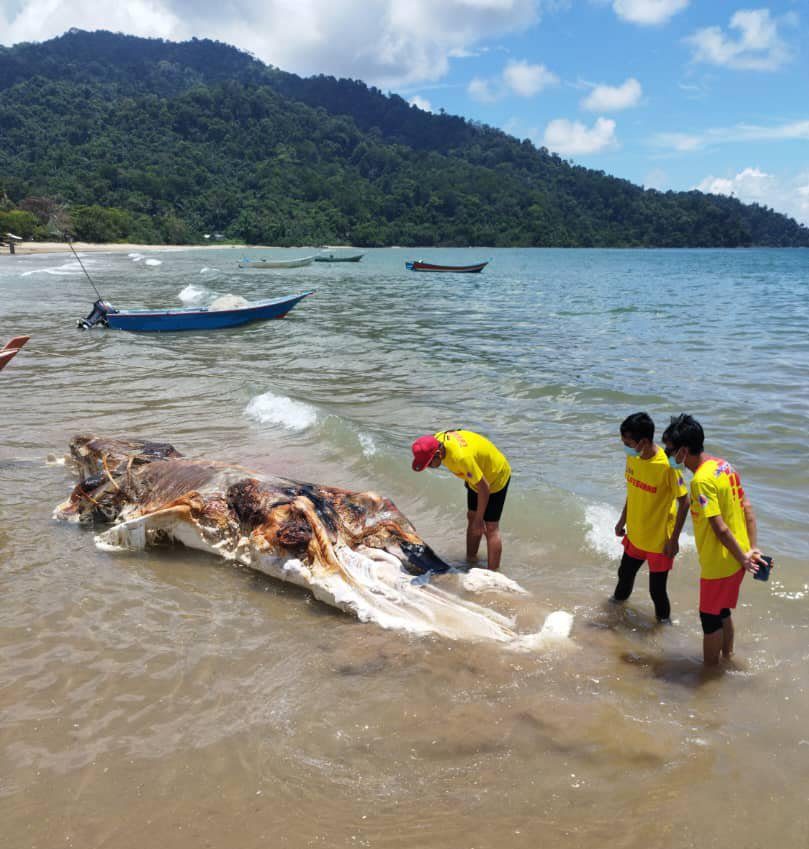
<point x="25" y="248"/>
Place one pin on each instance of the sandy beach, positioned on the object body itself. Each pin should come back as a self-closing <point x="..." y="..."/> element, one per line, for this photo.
<point x="87" y="247"/>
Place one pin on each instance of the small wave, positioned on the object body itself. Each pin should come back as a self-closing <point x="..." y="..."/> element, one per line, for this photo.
<point x="280" y="410"/>
<point x="193" y="294"/>
<point x="153" y="262"/>
<point x="65" y="270"/>
<point x="206" y="269"/>
<point x="368" y="445"/>
<point x="135" y="257"/>
<point x="600" y="520"/>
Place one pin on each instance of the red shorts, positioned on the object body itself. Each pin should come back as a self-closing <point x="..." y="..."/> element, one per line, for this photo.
<point x="657" y="562"/>
<point x="718" y="593"/>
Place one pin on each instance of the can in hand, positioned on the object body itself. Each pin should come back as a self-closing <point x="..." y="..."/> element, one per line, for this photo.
<point x="764" y="566"/>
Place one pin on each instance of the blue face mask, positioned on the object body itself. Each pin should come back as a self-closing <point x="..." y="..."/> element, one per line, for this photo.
<point x="674" y="464"/>
<point x="631" y="452"/>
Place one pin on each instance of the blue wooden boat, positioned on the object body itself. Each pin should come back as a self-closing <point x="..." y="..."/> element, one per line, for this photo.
<point x="200" y="318"/>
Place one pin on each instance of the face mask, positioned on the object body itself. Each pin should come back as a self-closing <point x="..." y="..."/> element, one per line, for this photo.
<point x="674" y="464"/>
<point x="631" y="452"/>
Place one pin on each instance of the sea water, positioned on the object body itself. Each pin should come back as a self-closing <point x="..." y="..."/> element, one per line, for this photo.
<point x="163" y="697"/>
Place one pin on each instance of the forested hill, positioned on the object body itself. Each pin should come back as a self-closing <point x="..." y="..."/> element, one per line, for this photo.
<point x="123" y="138"/>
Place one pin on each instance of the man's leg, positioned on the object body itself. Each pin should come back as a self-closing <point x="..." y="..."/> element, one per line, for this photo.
<point x="494" y="545"/>
<point x="657" y="590"/>
<point x="712" y="639"/>
<point x="727" y="633"/>
<point x="473" y="538"/>
<point x="626" y="577"/>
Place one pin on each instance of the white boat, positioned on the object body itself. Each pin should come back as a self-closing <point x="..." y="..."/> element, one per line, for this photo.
<point x="277" y="263"/>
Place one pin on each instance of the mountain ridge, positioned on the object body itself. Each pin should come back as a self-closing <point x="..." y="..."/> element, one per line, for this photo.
<point x="162" y="141"/>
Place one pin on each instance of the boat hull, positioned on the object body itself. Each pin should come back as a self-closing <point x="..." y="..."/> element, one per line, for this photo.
<point x="278" y="263"/>
<point x="167" y="321"/>
<point x="11" y="349"/>
<point x="355" y="258"/>
<point x="447" y="269"/>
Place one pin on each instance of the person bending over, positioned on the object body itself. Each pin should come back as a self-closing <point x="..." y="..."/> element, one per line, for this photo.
<point x="486" y="474"/>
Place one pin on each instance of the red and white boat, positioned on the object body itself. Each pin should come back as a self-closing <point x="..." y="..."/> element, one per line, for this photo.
<point x="10" y="350"/>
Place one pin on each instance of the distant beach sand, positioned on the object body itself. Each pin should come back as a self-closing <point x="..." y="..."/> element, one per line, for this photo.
<point x="87" y="247"/>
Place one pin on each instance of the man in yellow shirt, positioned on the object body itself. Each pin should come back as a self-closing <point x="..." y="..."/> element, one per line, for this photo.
<point x="654" y="513"/>
<point x="486" y="474"/>
<point x="725" y="532"/>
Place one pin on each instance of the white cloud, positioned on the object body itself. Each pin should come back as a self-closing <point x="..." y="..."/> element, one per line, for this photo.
<point x="481" y="90"/>
<point x="683" y="142"/>
<point x="751" y="182"/>
<point x="527" y="80"/>
<point x="573" y="137"/>
<point x="757" y="48"/>
<point x="648" y="12"/>
<point x="518" y="77"/>
<point x="789" y="195"/>
<point x="606" y="98"/>
<point x="38" y="20"/>
<point x="421" y="102"/>
<point x="385" y="42"/>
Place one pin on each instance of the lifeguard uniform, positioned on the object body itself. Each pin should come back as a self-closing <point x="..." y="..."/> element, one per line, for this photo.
<point x="470" y="457"/>
<point x="652" y="490"/>
<point x="716" y="490"/>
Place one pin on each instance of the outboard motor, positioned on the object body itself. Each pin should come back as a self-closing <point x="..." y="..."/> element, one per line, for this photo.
<point x="97" y="316"/>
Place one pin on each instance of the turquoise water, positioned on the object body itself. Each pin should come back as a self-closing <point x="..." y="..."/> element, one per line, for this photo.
<point x="546" y="352"/>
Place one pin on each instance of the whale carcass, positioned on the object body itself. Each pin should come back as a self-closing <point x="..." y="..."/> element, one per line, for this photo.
<point x="353" y="550"/>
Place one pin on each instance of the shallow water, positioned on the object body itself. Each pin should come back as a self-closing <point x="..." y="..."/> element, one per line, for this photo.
<point x="165" y="698"/>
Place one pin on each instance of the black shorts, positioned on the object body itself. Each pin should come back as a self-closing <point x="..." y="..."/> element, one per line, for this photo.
<point x="494" y="509"/>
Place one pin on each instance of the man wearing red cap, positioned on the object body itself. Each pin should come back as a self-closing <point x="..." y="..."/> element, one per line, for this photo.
<point x="486" y="475"/>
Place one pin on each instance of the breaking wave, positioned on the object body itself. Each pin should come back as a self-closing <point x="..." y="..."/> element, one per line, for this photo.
<point x="600" y="520"/>
<point x="194" y="294"/>
<point x="273" y="409"/>
<point x="65" y="270"/>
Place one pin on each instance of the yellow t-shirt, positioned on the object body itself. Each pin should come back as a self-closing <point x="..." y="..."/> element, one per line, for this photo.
<point x="652" y="487"/>
<point x="716" y="490"/>
<point x="471" y="457"/>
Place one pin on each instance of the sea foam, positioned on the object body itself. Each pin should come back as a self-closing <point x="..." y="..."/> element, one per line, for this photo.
<point x="280" y="410"/>
<point x="367" y="444"/>
<point x="66" y="270"/>
<point x="193" y="294"/>
<point x="600" y="536"/>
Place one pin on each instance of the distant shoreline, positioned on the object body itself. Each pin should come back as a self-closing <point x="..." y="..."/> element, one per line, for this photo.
<point x="27" y="248"/>
<point x="31" y="248"/>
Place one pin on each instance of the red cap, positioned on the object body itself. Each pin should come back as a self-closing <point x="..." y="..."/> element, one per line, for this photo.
<point x="424" y="449"/>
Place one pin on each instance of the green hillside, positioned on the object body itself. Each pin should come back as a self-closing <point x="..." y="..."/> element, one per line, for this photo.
<point x="128" y="139"/>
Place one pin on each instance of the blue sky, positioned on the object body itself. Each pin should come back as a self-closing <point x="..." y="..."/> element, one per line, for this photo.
<point x="674" y="94"/>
